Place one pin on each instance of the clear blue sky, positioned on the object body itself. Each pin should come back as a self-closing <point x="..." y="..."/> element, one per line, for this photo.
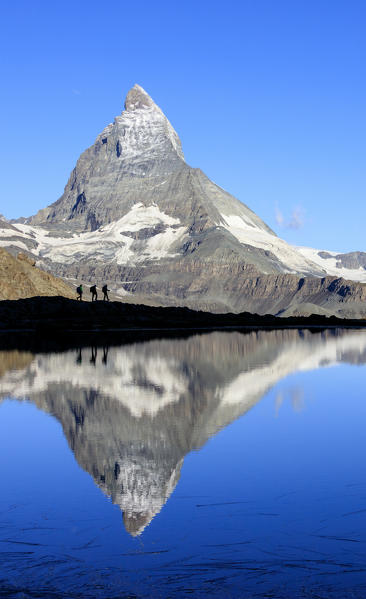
<point x="268" y="97"/>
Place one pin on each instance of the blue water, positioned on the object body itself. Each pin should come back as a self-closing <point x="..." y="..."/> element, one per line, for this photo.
<point x="270" y="500"/>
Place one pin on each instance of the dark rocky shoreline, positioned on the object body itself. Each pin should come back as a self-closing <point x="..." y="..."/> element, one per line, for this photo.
<point x="52" y="322"/>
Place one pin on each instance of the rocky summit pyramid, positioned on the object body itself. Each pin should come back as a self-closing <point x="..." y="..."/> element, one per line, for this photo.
<point x="135" y="215"/>
<point x="135" y="185"/>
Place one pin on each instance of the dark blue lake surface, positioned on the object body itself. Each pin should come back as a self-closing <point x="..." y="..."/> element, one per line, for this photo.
<point x="221" y="465"/>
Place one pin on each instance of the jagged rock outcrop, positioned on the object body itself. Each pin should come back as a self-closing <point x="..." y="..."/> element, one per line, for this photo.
<point x="20" y="278"/>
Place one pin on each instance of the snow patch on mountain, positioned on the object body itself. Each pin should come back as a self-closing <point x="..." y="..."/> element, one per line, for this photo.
<point x="142" y="128"/>
<point x="330" y="265"/>
<point x="247" y="232"/>
<point x="6" y="242"/>
<point x="111" y="242"/>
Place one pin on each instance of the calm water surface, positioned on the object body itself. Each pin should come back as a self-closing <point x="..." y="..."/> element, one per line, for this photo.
<point x="221" y="465"/>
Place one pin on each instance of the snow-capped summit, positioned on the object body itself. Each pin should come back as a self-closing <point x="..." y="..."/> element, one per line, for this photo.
<point x="143" y="128"/>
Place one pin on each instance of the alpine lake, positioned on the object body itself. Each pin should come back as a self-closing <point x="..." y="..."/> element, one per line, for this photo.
<point x="220" y="464"/>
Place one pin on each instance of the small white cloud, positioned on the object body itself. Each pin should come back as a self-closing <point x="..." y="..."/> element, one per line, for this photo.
<point x="279" y="216"/>
<point x="76" y="92"/>
<point x="296" y="220"/>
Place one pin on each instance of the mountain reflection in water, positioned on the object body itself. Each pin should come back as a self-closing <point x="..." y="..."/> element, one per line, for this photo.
<point x="131" y="414"/>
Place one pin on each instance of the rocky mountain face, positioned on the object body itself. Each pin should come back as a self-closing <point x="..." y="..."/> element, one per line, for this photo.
<point x="136" y="216"/>
<point x="20" y="278"/>
<point x="351" y="260"/>
<point x="131" y="414"/>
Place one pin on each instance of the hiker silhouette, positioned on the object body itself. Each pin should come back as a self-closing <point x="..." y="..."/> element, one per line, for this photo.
<point x="105" y="293"/>
<point x="93" y="291"/>
<point x="79" y="291"/>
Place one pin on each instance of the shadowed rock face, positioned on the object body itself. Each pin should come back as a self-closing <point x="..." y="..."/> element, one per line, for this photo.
<point x="131" y="414"/>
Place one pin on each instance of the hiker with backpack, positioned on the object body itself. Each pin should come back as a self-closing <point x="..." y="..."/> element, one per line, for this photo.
<point x="79" y="291"/>
<point x="105" y="292"/>
<point x="93" y="291"/>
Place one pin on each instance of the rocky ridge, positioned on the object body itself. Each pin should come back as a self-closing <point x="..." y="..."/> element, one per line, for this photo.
<point x="20" y="278"/>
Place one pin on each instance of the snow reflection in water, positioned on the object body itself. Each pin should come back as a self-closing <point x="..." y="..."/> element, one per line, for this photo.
<point x="131" y="415"/>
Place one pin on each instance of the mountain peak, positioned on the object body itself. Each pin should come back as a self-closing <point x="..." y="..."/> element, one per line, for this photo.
<point x="138" y="98"/>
